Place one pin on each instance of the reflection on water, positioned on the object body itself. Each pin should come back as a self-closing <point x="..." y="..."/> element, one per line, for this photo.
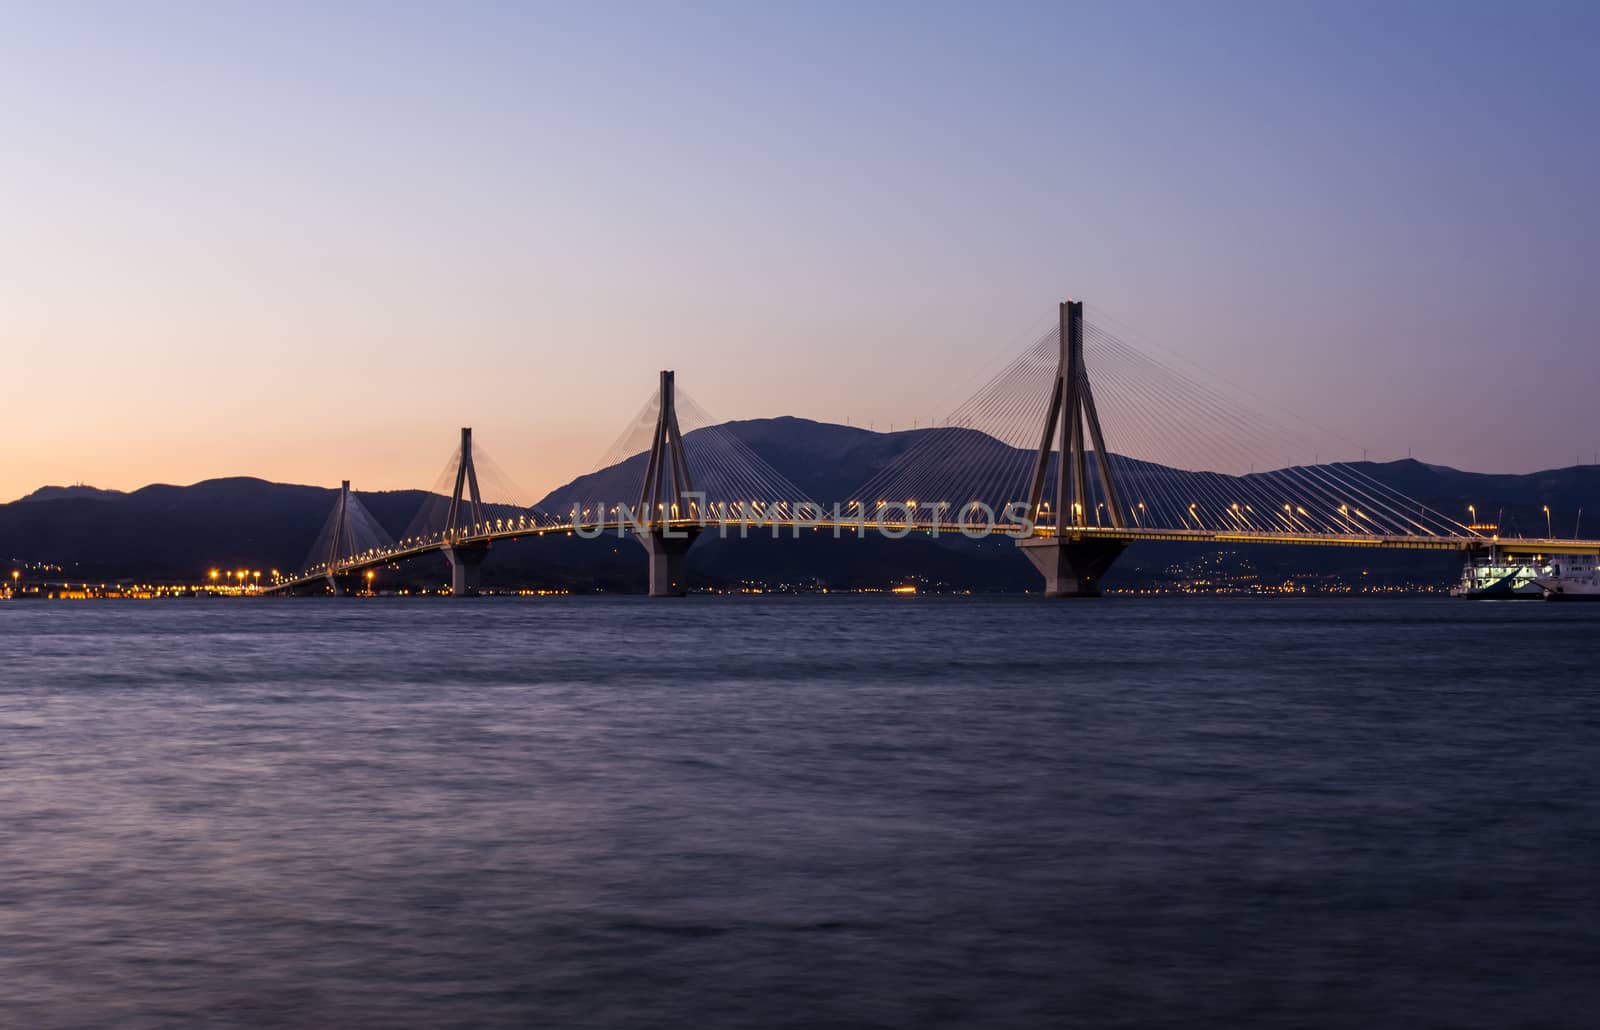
<point x="818" y="812"/>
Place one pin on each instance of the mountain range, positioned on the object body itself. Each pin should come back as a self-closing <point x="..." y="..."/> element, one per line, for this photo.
<point x="177" y="533"/>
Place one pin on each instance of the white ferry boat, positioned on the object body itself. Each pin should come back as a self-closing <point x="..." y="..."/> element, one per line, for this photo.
<point x="1503" y="578"/>
<point x="1571" y="577"/>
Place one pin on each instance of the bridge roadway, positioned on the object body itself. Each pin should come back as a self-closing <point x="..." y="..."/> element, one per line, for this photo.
<point x="359" y="564"/>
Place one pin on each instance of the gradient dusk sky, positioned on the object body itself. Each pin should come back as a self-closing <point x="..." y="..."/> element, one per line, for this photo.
<point x="307" y="242"/>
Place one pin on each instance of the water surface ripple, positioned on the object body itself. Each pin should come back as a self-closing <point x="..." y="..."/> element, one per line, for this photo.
<point x="910" y="812"/>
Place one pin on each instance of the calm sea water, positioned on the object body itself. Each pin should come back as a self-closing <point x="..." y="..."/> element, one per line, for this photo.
<point x="798" y="813"/>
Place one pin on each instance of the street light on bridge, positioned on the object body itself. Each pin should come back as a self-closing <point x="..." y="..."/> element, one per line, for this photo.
<point x="1548" y="532"/>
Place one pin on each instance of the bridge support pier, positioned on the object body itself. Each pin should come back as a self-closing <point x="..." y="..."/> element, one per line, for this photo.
<point x="668" y="553"/>
<point x="1071" y="568"/>
<point x="466" y="567"/>
<point x="344" y="584"/>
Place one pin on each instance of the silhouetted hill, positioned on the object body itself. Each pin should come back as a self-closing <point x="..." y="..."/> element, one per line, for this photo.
<point x="826" y="462"/>
<point x="79" y="490"/>
<point x="179" y="532"/>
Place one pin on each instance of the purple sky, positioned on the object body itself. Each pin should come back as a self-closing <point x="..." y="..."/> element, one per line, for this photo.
<point x="308" y="244"/>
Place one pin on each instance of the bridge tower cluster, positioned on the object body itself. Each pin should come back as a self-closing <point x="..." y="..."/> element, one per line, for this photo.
<point x="1069" y="545"/>
<point x="1072" y="526"/>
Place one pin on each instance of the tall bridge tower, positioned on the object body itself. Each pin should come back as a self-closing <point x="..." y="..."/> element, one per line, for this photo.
<point x="338" y="542"/>
<point x="663" y="498"/>
<point x="1072" y="563"/>
<point x="463" y="521"/>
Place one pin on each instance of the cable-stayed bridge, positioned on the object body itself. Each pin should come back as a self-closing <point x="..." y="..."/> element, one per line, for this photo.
<point x="1081" y="446"/>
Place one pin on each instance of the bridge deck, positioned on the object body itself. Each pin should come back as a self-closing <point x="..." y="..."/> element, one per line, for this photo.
<point x="376" y="558"/>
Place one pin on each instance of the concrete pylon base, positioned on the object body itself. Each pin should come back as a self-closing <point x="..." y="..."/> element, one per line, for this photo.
<point x="466" y="561"/>
<point x="344" y="585"/>
<point x="667" y="559"/>
<point x="1071" y="568"/>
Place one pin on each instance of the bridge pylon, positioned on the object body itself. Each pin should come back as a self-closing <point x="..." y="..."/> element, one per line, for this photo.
<point x="1071" y="564"/>
<point x="463" y="522"/>
<point x="338" y="583"/>
<point x="664" y="495"/>
<point x="350" y="542"/>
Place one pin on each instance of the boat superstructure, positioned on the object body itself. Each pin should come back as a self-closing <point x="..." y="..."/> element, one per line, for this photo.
<point x="1491" y="575"/>
<point x="1571" y="577"/>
